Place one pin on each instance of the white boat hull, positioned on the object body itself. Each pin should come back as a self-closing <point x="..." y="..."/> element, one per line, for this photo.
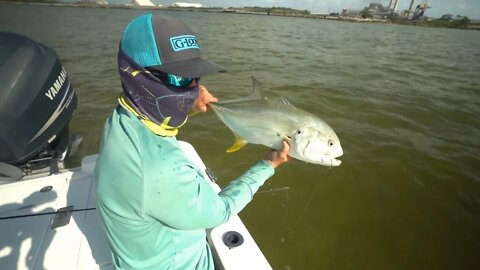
<point x="33" y="236"/>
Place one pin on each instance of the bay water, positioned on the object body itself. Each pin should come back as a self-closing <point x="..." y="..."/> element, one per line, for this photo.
<point x="404" y="101"/>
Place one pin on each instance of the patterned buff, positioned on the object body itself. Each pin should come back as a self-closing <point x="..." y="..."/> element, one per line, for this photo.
<point x="160" y="106"/>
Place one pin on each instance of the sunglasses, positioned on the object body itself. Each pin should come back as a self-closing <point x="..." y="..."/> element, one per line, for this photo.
<point x="172" y="79"/>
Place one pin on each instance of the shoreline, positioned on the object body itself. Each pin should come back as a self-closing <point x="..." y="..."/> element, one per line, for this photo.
<point x="423" y="23"/>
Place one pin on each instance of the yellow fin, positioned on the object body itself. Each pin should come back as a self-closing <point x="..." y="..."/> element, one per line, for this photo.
<point x="239" y="143"/>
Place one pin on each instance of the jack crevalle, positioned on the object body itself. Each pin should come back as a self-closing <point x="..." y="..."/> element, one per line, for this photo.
<point x="258" y="120"/>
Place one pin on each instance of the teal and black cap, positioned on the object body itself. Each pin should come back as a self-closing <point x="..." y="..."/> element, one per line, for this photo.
<point x="165" y="44"/>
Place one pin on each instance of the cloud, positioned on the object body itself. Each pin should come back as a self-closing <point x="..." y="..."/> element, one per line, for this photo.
<point x="462" y="5"/>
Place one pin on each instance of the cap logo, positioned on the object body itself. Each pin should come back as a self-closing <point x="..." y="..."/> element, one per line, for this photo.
<point x="185" y="42"/>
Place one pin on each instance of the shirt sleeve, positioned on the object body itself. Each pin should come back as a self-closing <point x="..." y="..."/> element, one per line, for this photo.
<point x="187" y="201"/>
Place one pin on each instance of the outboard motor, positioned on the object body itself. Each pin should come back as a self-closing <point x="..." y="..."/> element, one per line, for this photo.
<point x="36" y="105"/>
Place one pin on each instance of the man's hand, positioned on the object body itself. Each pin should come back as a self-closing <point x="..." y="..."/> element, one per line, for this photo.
<point x="204" y="97"/>
<point x="278" y="157"/>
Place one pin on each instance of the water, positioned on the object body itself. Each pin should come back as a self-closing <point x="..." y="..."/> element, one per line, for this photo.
<point x="403" y="100"/>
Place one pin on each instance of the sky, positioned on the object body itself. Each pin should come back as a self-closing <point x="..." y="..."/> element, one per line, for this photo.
<point x="469" y="8"/>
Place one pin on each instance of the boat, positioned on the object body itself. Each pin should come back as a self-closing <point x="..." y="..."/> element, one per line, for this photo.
<point x="48" y="216"/>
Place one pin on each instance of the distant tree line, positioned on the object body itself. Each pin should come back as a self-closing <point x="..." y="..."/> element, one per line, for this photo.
<point x="462" y="23"/>
<point x="366" y="13"/>
<point x="277" y="10"/>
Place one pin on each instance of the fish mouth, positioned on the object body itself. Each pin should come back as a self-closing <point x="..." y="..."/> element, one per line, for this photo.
<point x="332" y="162"/>
<point x="327" y="161"/>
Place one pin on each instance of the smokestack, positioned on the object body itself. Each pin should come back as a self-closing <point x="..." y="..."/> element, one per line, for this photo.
<point x="393" y="5"/>
<point x="411" y="5"/>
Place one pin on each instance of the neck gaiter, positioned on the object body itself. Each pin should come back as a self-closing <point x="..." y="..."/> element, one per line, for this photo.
<point x="163" y="104"/>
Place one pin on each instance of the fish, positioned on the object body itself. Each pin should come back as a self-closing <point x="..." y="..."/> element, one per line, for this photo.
<point x="257" y="119"/>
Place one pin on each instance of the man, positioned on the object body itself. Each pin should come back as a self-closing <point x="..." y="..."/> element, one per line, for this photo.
<point x="153" y="202"/>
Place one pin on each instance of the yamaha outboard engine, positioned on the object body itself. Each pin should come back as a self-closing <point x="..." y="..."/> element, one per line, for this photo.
<point x="36" y="105"/>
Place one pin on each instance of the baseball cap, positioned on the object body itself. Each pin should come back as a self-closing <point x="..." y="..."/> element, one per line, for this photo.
<point x="166" y="44"/>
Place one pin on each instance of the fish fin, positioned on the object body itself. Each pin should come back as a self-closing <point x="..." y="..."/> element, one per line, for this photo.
<point x="256" y="94"/>
<point x="284" y="100"/>
<point x="239" y="143"/>
<point x="256" y="89"/>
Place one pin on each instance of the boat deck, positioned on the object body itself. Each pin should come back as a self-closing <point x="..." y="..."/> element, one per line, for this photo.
<point x="50" y="222"/>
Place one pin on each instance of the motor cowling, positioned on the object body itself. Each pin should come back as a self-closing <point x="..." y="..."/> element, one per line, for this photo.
<point x="37" y="101"/>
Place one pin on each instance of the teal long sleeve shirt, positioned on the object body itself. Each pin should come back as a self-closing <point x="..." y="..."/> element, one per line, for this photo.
<point x="155" y="204"/>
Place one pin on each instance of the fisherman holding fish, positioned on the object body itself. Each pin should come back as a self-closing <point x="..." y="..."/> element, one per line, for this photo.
<point x="152" y="200"/>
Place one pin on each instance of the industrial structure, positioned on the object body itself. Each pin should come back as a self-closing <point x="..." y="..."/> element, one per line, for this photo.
<point x="186" y="5"/>
<point x="416" y="14"/>
<point x="419" y="9"/>
<point x="143" y="3"/>
<point x="393" y="5"/>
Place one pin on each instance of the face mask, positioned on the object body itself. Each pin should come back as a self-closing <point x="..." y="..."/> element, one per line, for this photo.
<point x="161" y="102"/>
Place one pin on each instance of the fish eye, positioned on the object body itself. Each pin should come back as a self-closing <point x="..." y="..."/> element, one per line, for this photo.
<point x="330" y="142"/>
<point x="299" y="132"/>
